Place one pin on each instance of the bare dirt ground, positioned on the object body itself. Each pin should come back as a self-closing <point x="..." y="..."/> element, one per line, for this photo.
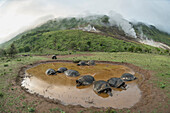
<point x="151" y="101"/>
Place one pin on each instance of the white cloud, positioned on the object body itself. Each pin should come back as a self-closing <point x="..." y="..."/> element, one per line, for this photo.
<point x="17" y="15"/>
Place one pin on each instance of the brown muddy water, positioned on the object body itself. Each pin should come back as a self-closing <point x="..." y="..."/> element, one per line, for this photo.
<point x="64" y="88"/>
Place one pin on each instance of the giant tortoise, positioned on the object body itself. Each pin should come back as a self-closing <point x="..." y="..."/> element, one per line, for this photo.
<point x="85" y="80"/>
<point x="82" y="63"/>
<point x="51" y="72"/>
<point x="128" y="77"/>
<point x="117" y="83"/>
<point x="72" y="73"/>
<point x="61" y="69"/>
<point x="91" y="63"/>
<point x="102" y="87"/>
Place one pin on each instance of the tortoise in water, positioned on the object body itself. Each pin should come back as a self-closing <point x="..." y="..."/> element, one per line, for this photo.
<point x="82" y="63"/>
<point x="91" y="63"/>
<point x="128" y="77"/>
<point x="72" y="73"/>
<point x="54" y="57"/>
<point x="51" y="72"/>
<point x="102" y="87"/>
<point x="61" y="69"/>
<point x="76" y="61"/>
<point x="117" y="83"/>
<point x="85" y="80"/>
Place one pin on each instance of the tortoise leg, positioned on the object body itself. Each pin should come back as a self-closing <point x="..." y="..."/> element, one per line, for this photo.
<point x="78" y="83"/>
<point x="123" y="87"/>
<point x="110" y="93"/>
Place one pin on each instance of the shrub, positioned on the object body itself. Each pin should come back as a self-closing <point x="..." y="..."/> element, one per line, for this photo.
<point x="18" y="59"/>
<point x="31" y="109"/>
<point x="27" y="49"/>
<point x="1" y="95"/>
<point x="163" y="85"/>
<point x="2" y="58"/>
<point x="5" y="65"/>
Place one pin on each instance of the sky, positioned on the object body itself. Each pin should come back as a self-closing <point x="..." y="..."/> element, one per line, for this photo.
<point x="17" y="16"/>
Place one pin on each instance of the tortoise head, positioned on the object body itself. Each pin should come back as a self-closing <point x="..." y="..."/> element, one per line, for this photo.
<point x="135" y="77"/>
<point x="107" y="91"/>
<point x="110" y="93"/>
<point x="78" y="83"/>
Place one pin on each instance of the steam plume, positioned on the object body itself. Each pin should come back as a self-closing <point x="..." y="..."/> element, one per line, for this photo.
<point x="117" y="19"/>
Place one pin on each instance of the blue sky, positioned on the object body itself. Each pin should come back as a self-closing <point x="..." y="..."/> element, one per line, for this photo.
<point x="19" y="15"/>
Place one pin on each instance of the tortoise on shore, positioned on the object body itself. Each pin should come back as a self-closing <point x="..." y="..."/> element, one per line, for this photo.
<point x="61" y="69"/>
<point x="82" y="63"/>
<point x="102" y="87"/>
<point x="51" y="72"/>
<point x="117" y="83"/>
<point x="72" y="73"/>
<point x="91" y="63"/>
<point x="54" y="57"/>
<point x="128" y="77"/>
<point x="85" y="80"/>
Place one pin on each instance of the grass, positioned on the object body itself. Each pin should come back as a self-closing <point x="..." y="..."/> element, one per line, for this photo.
<point x="10" y="97"/>
<point x="14" y="100"/>
<point x="54" y="110"/>
<point x="51" y="52"/>
<point x="31" y="109"/>
<point x="77" y="40"/>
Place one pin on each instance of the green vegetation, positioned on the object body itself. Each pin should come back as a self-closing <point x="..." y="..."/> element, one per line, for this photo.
<point x="54" y="110"/>
<point x="13" y="99"/>
<point x="10" y="52"/>
<point x="8" y="43"/>
<point x="152" y="33"/>
<point x="53" y="25"/>
<point x="100" y="22"/>
<point x="76" y="40"/>
<point x="58" y="37"/>
<point x="5" y="65"/>
<point x="31" y="109"/>
<point x="1" y="95"/>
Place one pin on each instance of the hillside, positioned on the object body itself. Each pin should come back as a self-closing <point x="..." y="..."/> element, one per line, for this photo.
<point x="8" y="43"/>
<point x="100" y="24"/>
<point x="151" y="32"/>
<point x="78" y="40"/>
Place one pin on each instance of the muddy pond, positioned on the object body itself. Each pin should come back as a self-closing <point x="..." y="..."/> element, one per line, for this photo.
<point x="63" y="88"/>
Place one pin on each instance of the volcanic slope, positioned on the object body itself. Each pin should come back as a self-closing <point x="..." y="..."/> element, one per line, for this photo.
<point x="100" y="24"/>
<point x="64" y="40"/>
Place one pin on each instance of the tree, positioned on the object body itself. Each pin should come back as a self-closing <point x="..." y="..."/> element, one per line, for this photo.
<point x="2" y="53"/>
<point x="27" y="49"/>
<point x="12" y="50"/>
<point x="21" y="50"/>
<point x="105" y="19"/>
